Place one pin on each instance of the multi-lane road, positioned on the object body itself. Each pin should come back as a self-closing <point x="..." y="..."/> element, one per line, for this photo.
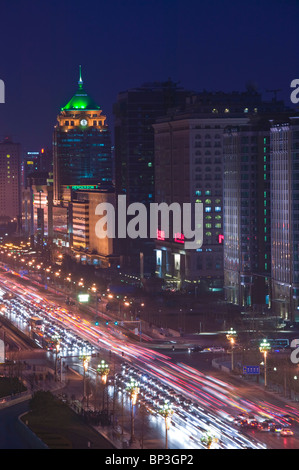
<point x="204" y="401"/>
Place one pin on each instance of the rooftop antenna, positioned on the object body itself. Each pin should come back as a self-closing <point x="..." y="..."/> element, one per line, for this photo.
<point x="80" y="82"/>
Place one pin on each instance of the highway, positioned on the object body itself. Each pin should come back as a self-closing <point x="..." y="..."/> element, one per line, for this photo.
<point x="203" y="402"/>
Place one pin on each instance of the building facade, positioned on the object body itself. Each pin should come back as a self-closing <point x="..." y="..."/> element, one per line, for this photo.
<point x="189" y="168"/>
<point x="247" y="214"/>
<point x="10" y="181"/>
<point x="82" y="152"/>
<point x="285" y="217"/>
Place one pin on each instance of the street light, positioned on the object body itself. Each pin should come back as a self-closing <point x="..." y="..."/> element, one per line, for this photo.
<point x="264" y="348"/>
<point x="85" y="360"/>
<point x="103" y="370"/>
<point x="167" y="412"/>
<point x="133" y="388"/>
<point x="231" y="336"/>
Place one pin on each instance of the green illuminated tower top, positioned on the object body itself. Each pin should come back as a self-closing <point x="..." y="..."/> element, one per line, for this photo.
<point x="81" y="100"/>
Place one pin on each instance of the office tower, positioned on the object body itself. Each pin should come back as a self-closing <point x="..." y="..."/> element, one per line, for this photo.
<point x="246" y="202"/>
<point x="81" y="145"/>
<point x="135" y="113"/>
<point x="189" y="168"/>
<point x="285" y="217"/>
<point x="10" y="181"/>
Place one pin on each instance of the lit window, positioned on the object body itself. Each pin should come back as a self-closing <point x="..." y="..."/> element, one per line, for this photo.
<point x="208" y="209"/>
<point x="217" y="209"/>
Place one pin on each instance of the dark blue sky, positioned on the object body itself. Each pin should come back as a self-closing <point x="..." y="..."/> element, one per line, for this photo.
<point x="212" y="45"/>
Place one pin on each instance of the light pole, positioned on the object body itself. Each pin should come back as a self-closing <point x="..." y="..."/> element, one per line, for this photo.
<point x="133" y="388"/>
<point x="103" y="370"/>
<point x="231" y="336"/>
<point x="85" y="360"/>
<point x="264" y="348"/>
<point x="167" y="412"/>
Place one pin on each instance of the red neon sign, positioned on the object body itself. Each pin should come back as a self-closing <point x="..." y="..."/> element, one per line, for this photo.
<point x="160" y="235"/>
<point x="220" y="238"/>
<point x="179" y="238"/>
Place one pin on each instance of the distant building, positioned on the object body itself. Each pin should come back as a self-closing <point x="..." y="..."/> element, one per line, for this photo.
<point x="35" y="162"/>
<point x="189" y="168"/>
<point x="10" y="181"/>
<point x="86" y="246"/>
<point x="247" y="221"/>
<point x="82" y="152"/>
<point x="135" y="112"/>
<point x="82" y="158"/>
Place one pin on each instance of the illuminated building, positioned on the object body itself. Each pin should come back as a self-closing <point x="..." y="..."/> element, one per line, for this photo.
<point x="285" y="217"/>
<point x="87" y="247"/>
<point x="189" y="168"/>
<point x="135" y="111"/>
<point x="81" y="145"/>
<point x="82" y="156"/>
<point x="10" y="181"/>
<point x="247" y="221"/>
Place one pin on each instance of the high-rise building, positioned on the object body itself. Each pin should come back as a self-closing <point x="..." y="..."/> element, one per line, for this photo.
<point x="246" y="202"/>
<point x="189" y="168"/>
<point x="82" y="153"/>
<point x="135" y="112"/>
<point x="10" y="180"/>
<point x="285" y="217"/>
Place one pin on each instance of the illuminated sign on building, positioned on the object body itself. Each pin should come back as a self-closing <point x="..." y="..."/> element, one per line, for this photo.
<point x="74" y="188"/>
<point x="160" y="235"/>
<point x="220" y="238"/>
<point x="83" y="297"/>
<point x="179" y="238"/>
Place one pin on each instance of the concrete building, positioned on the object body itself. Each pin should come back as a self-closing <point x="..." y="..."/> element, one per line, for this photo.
<point x="189" y="168"/>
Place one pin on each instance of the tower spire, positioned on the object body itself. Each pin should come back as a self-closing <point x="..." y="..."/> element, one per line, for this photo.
<point x="80" y="82"/>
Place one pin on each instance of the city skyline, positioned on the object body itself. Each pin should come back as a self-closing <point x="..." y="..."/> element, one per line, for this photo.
<point x="123" y="45"/>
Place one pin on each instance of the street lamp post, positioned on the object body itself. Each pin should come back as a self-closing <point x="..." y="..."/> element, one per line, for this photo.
<point x="133" y="388"/>
<point x="167" y="412"/>
<point x="231" y="336"/>
<point x="264" y="348"/>
<point x="85" y="360"/>
<point x="103" y="370"/>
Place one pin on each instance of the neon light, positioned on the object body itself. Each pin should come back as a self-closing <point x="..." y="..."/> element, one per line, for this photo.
<point x="220" y="238"/>
<point x="179" y="238"/>
<point x="82" y="187"/>
<point x="160" y="235"/>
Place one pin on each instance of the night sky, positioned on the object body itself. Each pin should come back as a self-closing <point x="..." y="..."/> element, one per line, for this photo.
<point x="212" y="45"/>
